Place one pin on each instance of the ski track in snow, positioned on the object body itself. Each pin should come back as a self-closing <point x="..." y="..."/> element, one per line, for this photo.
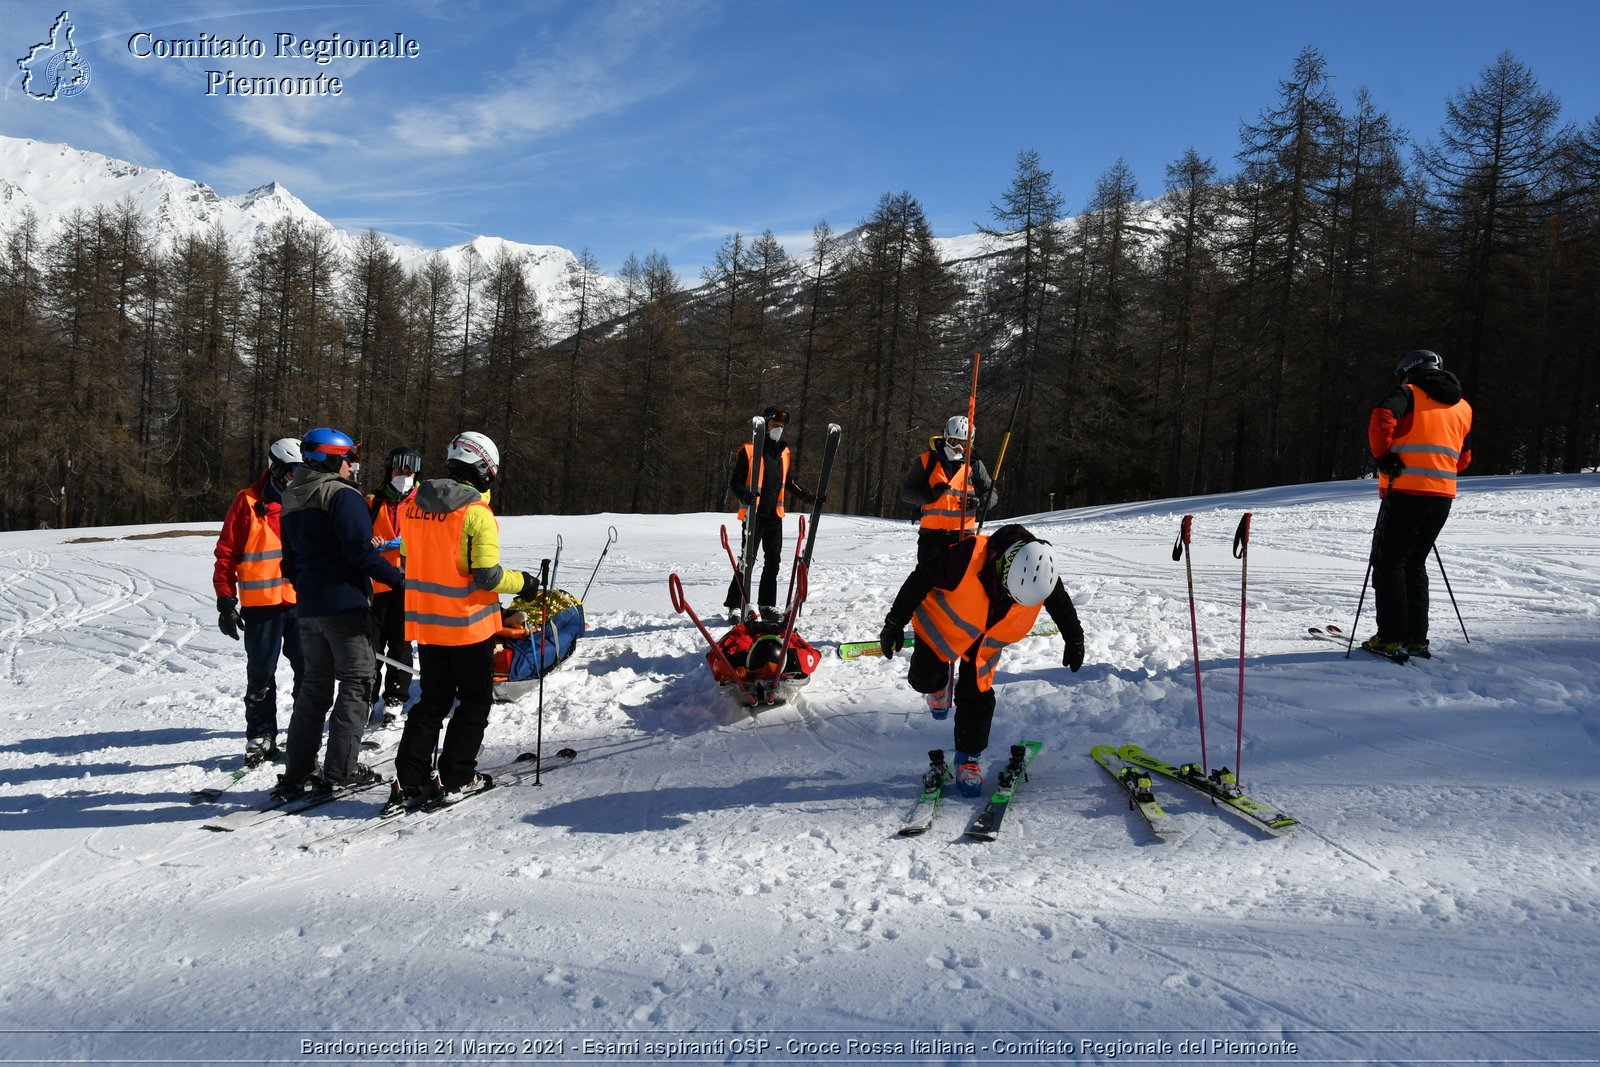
<point x="701" y="869"/>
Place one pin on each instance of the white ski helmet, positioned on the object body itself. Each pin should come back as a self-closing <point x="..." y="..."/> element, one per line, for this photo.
<point x="284" y="453"/>
<point x="477" y="452"/>
<point x="1028" y="571"/>
<point x="957" y="429"/>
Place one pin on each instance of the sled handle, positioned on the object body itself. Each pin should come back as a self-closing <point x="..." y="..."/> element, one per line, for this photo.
<point x="675" y="591"/>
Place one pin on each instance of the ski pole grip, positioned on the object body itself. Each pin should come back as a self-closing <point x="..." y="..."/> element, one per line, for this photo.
<point x="544" y="573"/>
<point x="1182" y="539"/>
<point x="1241" y="537"/>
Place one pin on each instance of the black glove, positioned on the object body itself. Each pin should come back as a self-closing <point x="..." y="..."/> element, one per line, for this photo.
<point x="228" y="618"/>
<point x="1390" y="464"/>
<point x="1072" y="655"/>
<point x="530" y="585"/>
<point x="745" y="496"/>
<point x="891" y="639"/>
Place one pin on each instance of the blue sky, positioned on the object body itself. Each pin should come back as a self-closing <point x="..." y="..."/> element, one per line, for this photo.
<point x="666" y="125"/>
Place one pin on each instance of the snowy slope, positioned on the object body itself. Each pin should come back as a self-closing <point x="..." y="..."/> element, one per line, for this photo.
<point x="701" y="876"/>
<point x="54" y="180"/>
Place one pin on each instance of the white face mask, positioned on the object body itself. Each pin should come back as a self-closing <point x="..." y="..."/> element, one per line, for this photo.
<point x="402" y="483"/>
<point x="955" y="452"/>
<point x="776" y="433"/>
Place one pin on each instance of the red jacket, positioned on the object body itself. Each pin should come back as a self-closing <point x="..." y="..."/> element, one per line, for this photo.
<point x="250" y="506"/>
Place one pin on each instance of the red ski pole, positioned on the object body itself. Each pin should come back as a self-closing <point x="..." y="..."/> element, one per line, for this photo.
<point x="1241" y="552"/>
<point x="1180" y="550"/>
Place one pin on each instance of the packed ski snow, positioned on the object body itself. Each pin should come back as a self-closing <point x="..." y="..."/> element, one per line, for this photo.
<point x="705" y="885"/>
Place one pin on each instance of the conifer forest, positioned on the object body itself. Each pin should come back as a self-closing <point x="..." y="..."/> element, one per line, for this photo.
<point x="1228" y="329"/>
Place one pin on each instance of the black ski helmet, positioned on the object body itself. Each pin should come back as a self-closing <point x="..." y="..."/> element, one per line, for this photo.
<point x="1418" y="362"/>
<point x="403" y="458"/>
<point x="777" y="415"/>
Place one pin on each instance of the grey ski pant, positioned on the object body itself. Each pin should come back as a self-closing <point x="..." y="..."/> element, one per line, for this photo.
<point x="335" y="649"/>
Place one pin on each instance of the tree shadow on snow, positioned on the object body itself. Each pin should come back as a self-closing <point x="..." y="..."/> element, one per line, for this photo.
<point x="77" y="744"/>
<point x="671" y="808"/>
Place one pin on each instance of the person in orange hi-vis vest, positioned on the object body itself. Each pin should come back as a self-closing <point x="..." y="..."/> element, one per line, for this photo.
<point x="966" y="604"/>
<point x="766" y="525"/>
<point x="949" y="493"/>
<point x="451" y="542"/>
<point x="389" y="603"/>
<point x="254" y="598"/>
<point x="1420" y="435"/>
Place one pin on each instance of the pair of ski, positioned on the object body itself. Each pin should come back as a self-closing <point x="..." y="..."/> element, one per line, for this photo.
<point x="1333" y="633"/>
<point x="394" y="817"/>
<point x="377" y="736"/>
<point x="274" y="807"/>
<point x="1131" y="767"/>
<point x="985" y="826"/>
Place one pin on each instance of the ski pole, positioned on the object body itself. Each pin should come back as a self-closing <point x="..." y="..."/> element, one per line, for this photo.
<point x="544" y="623"/>
<point x="1452" y="593"/>
<point x="1241" y="552"/>
<point x="610" y="540"/>
<point x="794" y="570"/>
<point x="1372" y="554"/>
<point x="397" y="664"/>
<point x="1180" y="550"/>
<point x="966" y="461"/>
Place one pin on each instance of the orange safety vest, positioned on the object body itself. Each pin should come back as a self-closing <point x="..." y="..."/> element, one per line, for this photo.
<point x="950" y="621"/>
<point x="443" y="605"/>
<point x="761" y="475"/>
<point x="1430" y="446"/>
<point x="260" y="567"/>
<point x="945" y="512"/>
<point x="386" y="527"/>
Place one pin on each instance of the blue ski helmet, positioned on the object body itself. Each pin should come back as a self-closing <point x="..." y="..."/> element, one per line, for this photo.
<point x="325" y="448"/>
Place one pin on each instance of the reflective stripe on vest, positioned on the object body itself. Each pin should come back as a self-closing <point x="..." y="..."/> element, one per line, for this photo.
<point x="951" y="621"/>
<point x="260" y="567"/>
<point x="946" y="512"/>
<point x="761" y="472"/>
<point x="1430" y="446"/>
<point x="386" y="527"/>
<point x="444" y="606"/>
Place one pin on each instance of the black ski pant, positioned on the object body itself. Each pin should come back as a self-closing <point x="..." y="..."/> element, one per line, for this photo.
<point x="932" y="542"/>
<point x="389" y="638"/>
<point x="974" y="706"/>
<point x="1408" y="525"/>
<point x="337" y="649"/>
<point x="768" y="532"/>
<point x="450" y="673"/>
<point x="268" y="634"/>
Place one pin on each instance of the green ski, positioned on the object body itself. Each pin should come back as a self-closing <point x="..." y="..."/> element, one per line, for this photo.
<point x="986" y="827"/>
<point x="1220" y="786"/>
<point x="1136" y="783"/>
<point x="933" y="782"/>
<point x="857" y="649"/>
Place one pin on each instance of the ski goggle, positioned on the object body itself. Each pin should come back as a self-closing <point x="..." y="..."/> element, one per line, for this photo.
<point x="349" y="452"/>
<point x="777" y="415"/>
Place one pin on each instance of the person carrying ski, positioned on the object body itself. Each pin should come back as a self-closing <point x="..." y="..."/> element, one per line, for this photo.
<point x="966" y="604"/>
<point x="389" y="602"/>
<point x="949" y="493"/>
<point x="330" y="558"/>
<point x="454" y="578"/>
<point x="766" y="525"/>
<point x="1420" y="435"/>
<point x="253" y="596"/>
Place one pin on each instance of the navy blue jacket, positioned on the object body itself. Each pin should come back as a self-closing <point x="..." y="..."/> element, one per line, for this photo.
<point x="328" y="553"/>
